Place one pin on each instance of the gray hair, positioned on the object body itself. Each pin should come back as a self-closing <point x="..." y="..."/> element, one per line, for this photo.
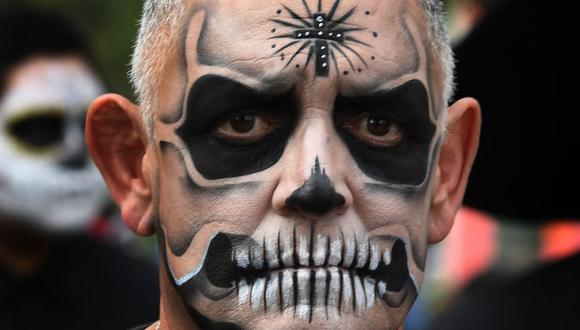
<point x="159" y="30"/>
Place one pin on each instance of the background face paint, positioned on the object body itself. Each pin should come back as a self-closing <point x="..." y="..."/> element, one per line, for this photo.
<point x="240" y="241"/>
<point x="46" y="177"/>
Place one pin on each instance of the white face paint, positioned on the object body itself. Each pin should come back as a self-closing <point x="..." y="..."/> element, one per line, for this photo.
<point x="46" y="177"/>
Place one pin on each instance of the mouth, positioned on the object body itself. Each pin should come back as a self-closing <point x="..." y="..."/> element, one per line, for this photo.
<point x="311" y="275"/>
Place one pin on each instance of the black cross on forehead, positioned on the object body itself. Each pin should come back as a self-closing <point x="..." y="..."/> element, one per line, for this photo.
<point x="322" y="34"/>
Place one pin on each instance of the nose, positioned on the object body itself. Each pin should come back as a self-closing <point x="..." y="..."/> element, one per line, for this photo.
<point x="315" y="179"/>
<point x="317" y="195"/>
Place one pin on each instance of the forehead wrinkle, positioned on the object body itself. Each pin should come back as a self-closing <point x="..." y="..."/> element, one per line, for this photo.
<point x="232" y="68"/>
<point x="262" y="80"/>
<point x="404" y="61"/>
<point x="422" y="72"/>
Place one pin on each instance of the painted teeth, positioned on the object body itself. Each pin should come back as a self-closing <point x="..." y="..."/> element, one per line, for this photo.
<point x="315" y="293"/>
<point x="257" y="292"/>
<point x="363" y="253"/>
<point x="369" y="287"/>
<point x="347" y="278"/>
<point x="335" y="252"/>
<point x="242" y="257"/>
<point x="382" y="288"/>
<point x="349" y="252"/>
<point x="346" y="302"/>
<point x="243" y="291"/>
<point x="273" y="293"/>
<point x="287" y="251"/>
<point x="387" y="257"/>
<point x="334" y="290"/>
<point x="320" y="290"/>
<point x="375" y="257"/>
<point x="304" y="250"/>
<point x="359" y="294"/>
<point x="303" y="306"/>
<point x="288" y="288"/>
<point x="257" y="257"/>
<point x="272" y="253"/>
<point x="320" y="250"/>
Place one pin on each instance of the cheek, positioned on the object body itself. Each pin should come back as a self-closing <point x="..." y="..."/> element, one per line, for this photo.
<point x="404" y="215"/>
<point x="384" y="207"/>
<point x="185" y="207"/>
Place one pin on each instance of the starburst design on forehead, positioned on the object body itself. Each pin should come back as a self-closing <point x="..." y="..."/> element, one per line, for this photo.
<point x="321" y="34"/>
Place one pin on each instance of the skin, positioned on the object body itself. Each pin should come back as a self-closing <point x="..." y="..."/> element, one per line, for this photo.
<point x="318" y="180"/>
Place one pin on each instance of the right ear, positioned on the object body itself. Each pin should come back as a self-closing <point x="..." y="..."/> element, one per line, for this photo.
<point x="117" y="142"/>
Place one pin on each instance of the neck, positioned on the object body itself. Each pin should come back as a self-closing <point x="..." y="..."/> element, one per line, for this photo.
<point x="23" y="251"/>
<point x="173" y="313"/>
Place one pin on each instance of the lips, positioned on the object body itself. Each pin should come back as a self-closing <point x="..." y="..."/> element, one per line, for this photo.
<point x="310" y="274"/>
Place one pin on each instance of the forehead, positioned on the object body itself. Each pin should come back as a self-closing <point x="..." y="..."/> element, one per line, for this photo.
<point x="277" y="43"/>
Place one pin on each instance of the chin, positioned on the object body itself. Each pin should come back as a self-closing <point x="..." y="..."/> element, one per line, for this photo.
<point x="380" y="316"/>
<point x="232" y="315"/>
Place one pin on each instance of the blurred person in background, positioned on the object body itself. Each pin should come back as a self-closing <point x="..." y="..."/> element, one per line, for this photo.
<point x="52" y="274"/>
<point x="522" y="228"/>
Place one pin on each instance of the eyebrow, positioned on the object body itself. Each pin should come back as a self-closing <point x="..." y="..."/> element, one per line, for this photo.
<point x="212" y="96"/>
<point x="407" y="104"/>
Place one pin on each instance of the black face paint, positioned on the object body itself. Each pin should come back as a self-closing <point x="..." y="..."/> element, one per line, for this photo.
<point x="200" y="320"/>
<point x="221" y="274"/>
<point x="319" y="32"/>
<point x="317" y="195"/>
<point x="408" y="106"/>
<point x="181" y="242"/>
<point x="211" y="99"/>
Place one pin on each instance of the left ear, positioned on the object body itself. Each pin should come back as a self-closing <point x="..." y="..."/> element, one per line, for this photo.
<point x="454" y="165"/>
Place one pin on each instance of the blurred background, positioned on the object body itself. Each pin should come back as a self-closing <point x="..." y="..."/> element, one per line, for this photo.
<point x="512" y="259"/>
<point x="110" y="26"/>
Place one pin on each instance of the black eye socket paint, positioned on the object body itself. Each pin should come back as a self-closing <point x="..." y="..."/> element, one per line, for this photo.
<point x="408" y="106"/>
<point x="211" y="98"/>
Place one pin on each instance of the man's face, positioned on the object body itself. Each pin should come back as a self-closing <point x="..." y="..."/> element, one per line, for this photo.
<point x="46" y="177"/>
<point x="296" y="145"/>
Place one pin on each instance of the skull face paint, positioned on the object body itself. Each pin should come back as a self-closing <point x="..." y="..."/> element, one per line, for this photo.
<point x="47" y="180"/>
<point x="290" y="191"/>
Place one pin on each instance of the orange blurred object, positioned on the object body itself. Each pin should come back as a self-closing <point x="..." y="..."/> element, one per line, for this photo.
<point x="471" y="246"/>
<point x="559" y="239"/>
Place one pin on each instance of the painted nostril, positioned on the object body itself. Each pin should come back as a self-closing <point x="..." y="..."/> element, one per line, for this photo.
<point x="317" y="195"/>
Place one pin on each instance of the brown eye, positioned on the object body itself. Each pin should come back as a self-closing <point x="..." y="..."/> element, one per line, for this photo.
<point x="245" y="128"/>
<point x="375" y="131"/>
<point x="243" y="123"/>
<point x="379" y="127"/>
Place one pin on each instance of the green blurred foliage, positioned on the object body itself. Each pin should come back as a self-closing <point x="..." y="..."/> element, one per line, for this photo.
<point x="111" y="26"/>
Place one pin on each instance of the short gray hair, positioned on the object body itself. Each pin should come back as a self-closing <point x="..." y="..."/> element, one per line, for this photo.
<point x="159" y="30"/>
